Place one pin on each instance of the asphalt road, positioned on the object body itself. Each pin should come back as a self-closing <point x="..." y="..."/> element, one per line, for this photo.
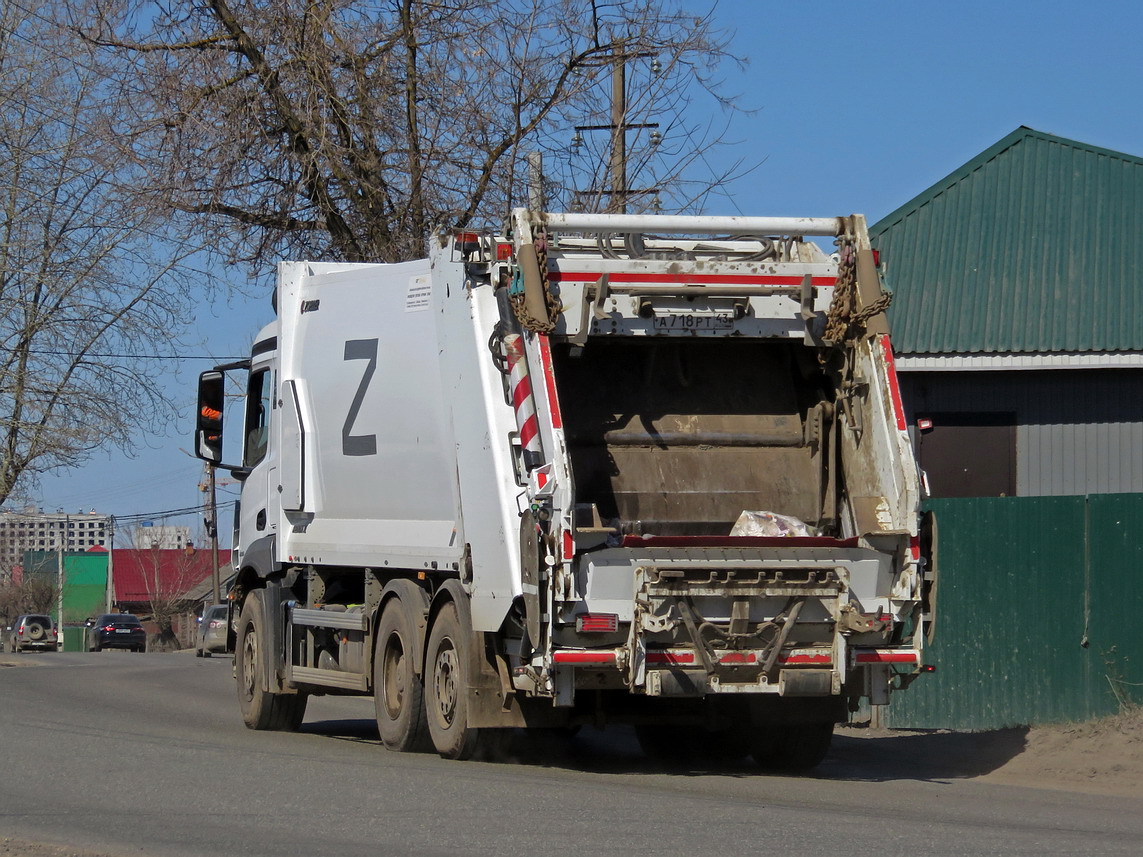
<point x="128" y="754"/>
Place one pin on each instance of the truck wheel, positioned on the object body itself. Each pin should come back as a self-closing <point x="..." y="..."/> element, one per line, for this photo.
<point x="261" y="709"/>
<point x="792" y="747"/>
<point x="446" y="686"/>
<point x="398" y="694"/>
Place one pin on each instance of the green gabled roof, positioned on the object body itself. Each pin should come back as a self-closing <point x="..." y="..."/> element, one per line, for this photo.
<point x="1033" y="246"/>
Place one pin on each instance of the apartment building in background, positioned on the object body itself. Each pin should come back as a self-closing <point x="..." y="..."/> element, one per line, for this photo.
<point x="148" y="536"/>
<point x="32" y="529"/>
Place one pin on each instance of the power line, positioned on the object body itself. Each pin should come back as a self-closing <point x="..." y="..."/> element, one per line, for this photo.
<point x="133" y="356"/>
<point x="169" y="513"/>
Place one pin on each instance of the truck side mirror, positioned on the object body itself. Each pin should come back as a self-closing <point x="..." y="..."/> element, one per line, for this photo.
<point x="211" y="401"/>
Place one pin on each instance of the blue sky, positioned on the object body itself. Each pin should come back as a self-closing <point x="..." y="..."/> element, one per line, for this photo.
<point x="854" y="107"/>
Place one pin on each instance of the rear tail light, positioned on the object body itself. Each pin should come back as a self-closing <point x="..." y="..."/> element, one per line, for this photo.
<point x="597" y="623"/>
<point x="108" y="627"/>
<point x="915" y="548"/>
<point x="217" y="623"/>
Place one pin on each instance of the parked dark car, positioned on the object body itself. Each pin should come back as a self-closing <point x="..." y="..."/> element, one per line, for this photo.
<point x="212" y="630"/>
<point x="116" y="631"/>
<point x="33" y="631"/>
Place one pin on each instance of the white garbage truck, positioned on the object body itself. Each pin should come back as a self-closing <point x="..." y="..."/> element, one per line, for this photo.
<point x="585" y="469"/>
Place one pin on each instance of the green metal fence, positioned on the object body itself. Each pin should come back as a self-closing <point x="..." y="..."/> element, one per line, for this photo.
<point x="1040" y="613"/>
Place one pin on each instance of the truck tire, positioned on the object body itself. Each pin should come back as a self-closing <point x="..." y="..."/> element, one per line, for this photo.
<point x="398" y="695"/>
<point x="262" y="710"/>
<point x="792" y="746"/>
<point x="446" y="685"/>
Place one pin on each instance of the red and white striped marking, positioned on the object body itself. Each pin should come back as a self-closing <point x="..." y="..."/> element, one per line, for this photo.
<point x="894" y="383"/>
<point x="522" y="399"/>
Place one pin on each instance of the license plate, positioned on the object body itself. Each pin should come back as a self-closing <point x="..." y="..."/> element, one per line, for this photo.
<point x="122" y="630"/>
<point x="709" y="321"/>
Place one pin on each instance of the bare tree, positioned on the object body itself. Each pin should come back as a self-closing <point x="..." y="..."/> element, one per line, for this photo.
<point x="37" y="594"/>
<point x="168" y="575"/>
<point x="89" y="279"/>
<point x="341" y="130"/>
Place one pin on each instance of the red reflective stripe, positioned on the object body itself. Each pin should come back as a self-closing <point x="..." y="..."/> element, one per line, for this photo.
<point x="683" y="658"/>
<point x="584" y="657"/>
<point x="569" y="545"/>
<point x="739" y="658"/>
<point x="550" y="382"/>
<point x="696" y="279"/>
<point x="738" y="542"/>
<point x="894" y="385"/>
<point x="886" y="658"/>
<point x="915" y="547"/>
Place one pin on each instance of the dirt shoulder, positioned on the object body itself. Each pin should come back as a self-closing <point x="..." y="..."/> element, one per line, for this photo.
<point x="1101" y="757"/>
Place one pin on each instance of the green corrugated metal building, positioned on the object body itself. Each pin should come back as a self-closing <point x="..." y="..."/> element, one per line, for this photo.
<point x="84" y="580"/>
<point x="1017" y="318"/>
<point x="1031" y="247"/>
<point x="1017" y="281"/>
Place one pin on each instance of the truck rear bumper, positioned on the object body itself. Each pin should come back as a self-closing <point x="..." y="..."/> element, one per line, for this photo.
<point x="679" y="671"/>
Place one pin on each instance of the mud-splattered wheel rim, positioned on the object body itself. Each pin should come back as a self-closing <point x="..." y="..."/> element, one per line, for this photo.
<point x="249" y="661"/>
<point x="445" y="681"/>
<point x="394" y="667"/>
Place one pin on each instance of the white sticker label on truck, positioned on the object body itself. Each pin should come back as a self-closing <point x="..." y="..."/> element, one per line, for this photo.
<point x="417" y="297"/>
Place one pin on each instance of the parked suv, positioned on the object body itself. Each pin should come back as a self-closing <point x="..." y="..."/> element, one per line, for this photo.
<point x="116" y="631"/>
<point x="212" y="630"/>
<point x="33" y="631"/>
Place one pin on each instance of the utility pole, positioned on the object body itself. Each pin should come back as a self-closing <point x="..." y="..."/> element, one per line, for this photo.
<point x="110" y="601"/>
<point x="618" y="201"/>
<point x="619" y="191"/>
<point x="213" y="525"/>
<point x="60" y="580"/>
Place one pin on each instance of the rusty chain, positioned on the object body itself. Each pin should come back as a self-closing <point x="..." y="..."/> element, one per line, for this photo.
<point x="844" y="321"/>
<point x="519" y="307"/>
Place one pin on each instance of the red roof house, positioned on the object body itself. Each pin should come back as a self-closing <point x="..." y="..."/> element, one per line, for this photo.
<point x="150" y="574"/>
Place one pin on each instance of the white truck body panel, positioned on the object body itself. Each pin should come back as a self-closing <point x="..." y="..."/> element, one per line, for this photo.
<point x="396" y="406"/>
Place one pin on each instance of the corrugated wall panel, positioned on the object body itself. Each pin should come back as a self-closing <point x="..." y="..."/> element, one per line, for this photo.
<point x="1032" y="246"/>
<point x="1115" y="626"/>
<point x="1078" y="431"/>
<point x="1038" y="610"/>
<point x="1007" y="648"/>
